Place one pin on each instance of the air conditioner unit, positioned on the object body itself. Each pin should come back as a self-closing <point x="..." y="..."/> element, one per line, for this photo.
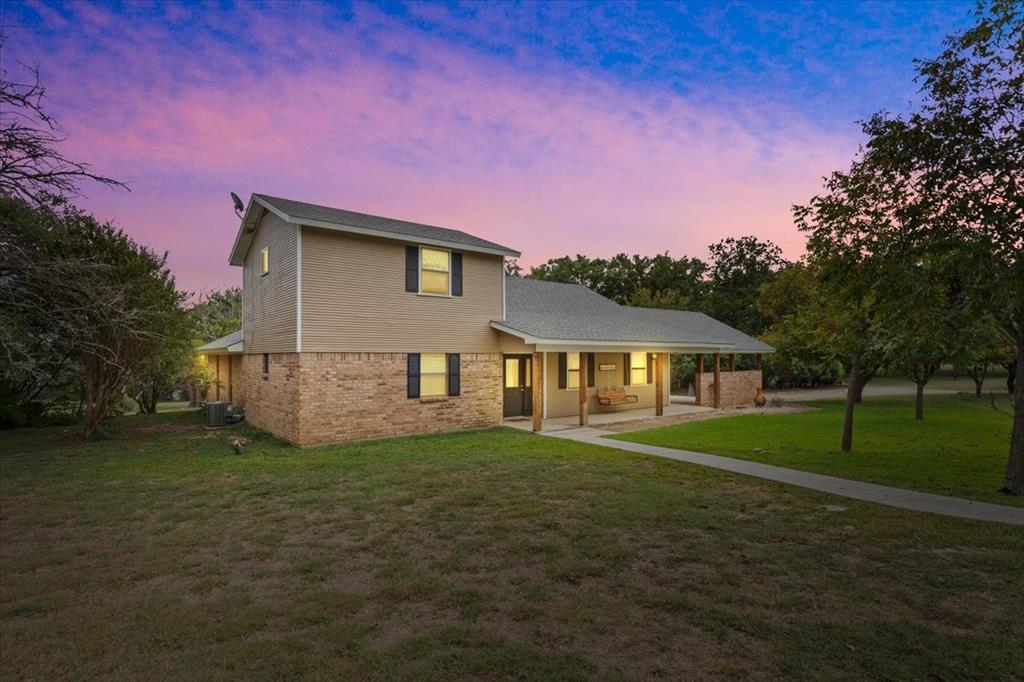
<point x="217" y="413"/>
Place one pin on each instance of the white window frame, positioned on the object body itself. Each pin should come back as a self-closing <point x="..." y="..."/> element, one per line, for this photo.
<point x="631" y="368"/>
<point x="444" y="373"/>
<point x="569" y="372"/>
<point x="419" y="272"/>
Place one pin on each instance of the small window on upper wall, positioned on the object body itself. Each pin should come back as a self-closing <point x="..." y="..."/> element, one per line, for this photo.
<point x="638" y="368"/>
<point x="264" y="260"/>
<point x="435" y="271"/>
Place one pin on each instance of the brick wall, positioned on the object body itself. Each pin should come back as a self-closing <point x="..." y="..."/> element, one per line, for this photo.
<point x="312" y="398"/>
<point x="238" y="380"/>
<point x="272" y="402"/>
<point x="350" y="396"/>
<point x="738" y="388"/>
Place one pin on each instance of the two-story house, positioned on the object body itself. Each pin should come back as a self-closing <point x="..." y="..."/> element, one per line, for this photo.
<point x="356" y="326"/>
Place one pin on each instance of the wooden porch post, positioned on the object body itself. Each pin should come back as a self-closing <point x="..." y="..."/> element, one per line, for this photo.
<point x="718" y="380"/>
<point x="583" y="389"/>
<point x="697" y="377"/>
<point x="760" y="368"/>
<point x="537" y="366"/>
<point x="659" y="384"/>
<point x="732" y="362"/>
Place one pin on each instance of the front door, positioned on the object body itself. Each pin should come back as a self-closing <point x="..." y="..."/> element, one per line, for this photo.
<point x="518" y="393"/>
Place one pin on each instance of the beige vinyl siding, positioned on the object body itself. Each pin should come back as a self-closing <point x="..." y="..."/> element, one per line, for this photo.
<point x="269" y="303"/>
<point x="512" y="344"/>
<point x="565" y="402"/>
<point x="354" y="300"/>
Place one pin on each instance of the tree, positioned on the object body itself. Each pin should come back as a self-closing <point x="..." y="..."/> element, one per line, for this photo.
<point x="800" y="326"/>
<point x="31" y="168"/>
<point x="860" y="233"/>
<point x="216" y="314"/>
<point x="72" y="283"/>
<point x="964" y="148"/>
<point x="982" y="346"/>
<point x="738" y="269"/>
<point x="928" y="320"/>
<point x="632" y="280"/>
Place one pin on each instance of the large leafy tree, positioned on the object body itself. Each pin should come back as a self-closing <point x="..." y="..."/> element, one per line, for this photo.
<point x="738" y="269"/>
<point x="964" y="146"/>
<point x="86" y="290"/>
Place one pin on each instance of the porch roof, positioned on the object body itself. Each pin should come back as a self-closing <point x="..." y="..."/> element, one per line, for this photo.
<point x="556" y="314"/>
<point x="232" y="343"/>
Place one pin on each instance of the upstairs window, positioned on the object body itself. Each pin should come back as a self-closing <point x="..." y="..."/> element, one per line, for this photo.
<point x="637" y="368"/>
<point x="264" y="260"/>
<point x="435" y="271"/>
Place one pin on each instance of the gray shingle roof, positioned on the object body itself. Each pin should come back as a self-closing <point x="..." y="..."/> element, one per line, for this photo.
<point x="301" y="212"/>
<point x="572" y="312"/>
<point x="223" y="342"/>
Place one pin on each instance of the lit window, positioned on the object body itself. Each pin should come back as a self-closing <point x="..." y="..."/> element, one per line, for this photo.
<point x="638" y="368"/>
<point x="432" y="374"/>
<point x="572" y="379"/>
<point x="264" y="260"/>
<point x="434" y="270"/>
<point x="511" y="372"/>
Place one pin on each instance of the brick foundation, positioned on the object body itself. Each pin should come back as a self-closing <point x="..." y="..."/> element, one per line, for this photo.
<point x="738" y="388"/>
<point x="313" y="398"/>
<point x="272" y="401"/>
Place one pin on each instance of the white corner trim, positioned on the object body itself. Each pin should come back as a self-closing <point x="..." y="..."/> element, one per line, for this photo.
<point x="502" y="288"/>
<point x="298" y="288"/>
<point x="544" y="382"/>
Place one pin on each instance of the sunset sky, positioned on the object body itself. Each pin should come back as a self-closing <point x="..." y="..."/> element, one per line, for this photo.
<point x="552" y="128"/>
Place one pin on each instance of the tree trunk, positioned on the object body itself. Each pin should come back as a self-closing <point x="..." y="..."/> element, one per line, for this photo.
<point x="977" y="387"/>
<point x="1015" y="463"/>
<point x="855" y="380"/>
<point x="1011" y="376"/>
<point x="862" y="381"/>
<point x="919" y="400"/>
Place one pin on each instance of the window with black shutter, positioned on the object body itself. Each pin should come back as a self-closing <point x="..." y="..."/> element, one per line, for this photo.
<point x="456" y="273"/>
<point x="562" y="370"/>
<point x="412" y="269"/>
<point x="413" y="375"/>
<point x="454" y="382"/>
<point x="590" y="370"/>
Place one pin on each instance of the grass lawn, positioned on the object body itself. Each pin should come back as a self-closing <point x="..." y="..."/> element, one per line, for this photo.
<point x="945" y="379"/>
<point x="493" y="554"/>
<point x="959" y="449"/>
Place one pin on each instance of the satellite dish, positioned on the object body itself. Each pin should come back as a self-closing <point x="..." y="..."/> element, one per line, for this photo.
<point x="239" y="206"/>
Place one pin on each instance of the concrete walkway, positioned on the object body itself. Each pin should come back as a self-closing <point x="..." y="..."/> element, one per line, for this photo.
<point x="858" y="490"/>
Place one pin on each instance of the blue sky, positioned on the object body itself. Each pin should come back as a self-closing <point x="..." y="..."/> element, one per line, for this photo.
<point x="555" y="127"/>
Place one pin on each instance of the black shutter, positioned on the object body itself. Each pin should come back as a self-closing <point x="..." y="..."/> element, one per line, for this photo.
<point x="456" y="274"/>
<point x="590" y="370"/>
<point x="454" y="385"/>
<point x="650" y="368"/>
<point x="625" y="369"/>
<point x="413" y="375"/>
<point x="412" y="276"/>
<point x="563" y="370"/>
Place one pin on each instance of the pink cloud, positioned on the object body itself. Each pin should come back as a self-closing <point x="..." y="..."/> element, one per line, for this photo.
<point x="549" y="163"/>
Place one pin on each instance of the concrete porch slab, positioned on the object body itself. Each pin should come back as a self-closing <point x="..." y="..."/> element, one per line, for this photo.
<point x="606" y="418"/>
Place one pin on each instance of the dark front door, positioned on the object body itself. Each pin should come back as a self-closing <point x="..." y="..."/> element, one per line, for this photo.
<point x="518" y="393"/>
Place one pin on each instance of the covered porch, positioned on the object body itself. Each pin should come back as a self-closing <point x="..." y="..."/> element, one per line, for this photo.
<point x="552" y="389"/>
